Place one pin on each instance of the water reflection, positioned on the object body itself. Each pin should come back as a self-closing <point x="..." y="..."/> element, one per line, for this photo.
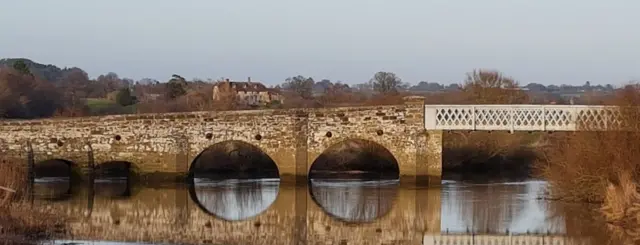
<point x="497" y="208"/>
<point x="52" y="188"/>
<point x="112" y="187"/>
<point x="235" y="199"/>
<point x="373" y="212"/>
<point x="357" y="201"/>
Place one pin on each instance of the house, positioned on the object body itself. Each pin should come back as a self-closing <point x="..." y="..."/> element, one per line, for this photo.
<point x="249" y="93"/>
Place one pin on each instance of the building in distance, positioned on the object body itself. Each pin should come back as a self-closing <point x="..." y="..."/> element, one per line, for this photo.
<point x="246" y="92"/>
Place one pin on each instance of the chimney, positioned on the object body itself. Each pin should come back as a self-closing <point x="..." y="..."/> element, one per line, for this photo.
<point x="249" y="79"/>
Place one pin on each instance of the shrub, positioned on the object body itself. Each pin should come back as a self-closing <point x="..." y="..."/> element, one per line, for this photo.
<point x="602" y="167"/>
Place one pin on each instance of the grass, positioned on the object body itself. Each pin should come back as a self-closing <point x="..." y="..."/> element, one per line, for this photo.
<point x="100" y="106"/>
<point x="20" y="222"/>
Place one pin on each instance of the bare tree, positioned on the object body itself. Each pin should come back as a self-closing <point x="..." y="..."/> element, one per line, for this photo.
<point x="386" y="82"/>
<point x="492" y="87"/>
<point x="300" y="85"/>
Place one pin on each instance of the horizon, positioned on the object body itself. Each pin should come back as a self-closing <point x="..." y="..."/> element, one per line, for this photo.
<point x="543" y="42"/>
<point x="209" y="79"/>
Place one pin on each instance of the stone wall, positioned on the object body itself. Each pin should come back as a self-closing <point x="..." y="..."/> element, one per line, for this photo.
<point x="168" y="143"/>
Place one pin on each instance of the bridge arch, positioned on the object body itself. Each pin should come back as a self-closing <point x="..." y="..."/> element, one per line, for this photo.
<point x="234" y="181"/>
<point x="114" y="169"/>
<point x="54" y="168"/>
<point x="355" y="157"/>
<point x="113" y="179"/>
<point x="235" y="159"/>
<point x="53" y="178"/>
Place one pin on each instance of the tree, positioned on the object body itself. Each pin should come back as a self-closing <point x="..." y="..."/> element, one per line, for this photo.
<point x="492" y="87"/>
<point x="25" y="96"/>
<point x="386" y="82"/>
<point x="124" y="97"/>
<point x="300" y="85"/>
<point x="74" y="87"/>
<point x="21" y="67"/>
<point x="176" y="87"/>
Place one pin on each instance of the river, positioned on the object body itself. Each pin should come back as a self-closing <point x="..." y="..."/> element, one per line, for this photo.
<point x="265" y="211"/>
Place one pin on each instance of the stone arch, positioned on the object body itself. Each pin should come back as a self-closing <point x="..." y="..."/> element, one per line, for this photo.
<point x="56" y="167"/>
<point x="112" y="179"/>
<point x="53" y="178"/>
<point x="235" y="181"/>
<point x="355" y="157"/>
<point x="114" y="169"/>
<point x="235" y="159"/>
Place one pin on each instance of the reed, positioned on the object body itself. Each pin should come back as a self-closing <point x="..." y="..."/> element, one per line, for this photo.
<point x="602" y="167"/>
<point x="20" y="221"/>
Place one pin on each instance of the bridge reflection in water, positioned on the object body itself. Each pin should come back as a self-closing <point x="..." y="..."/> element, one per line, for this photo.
<point x="355" y="201"/>
<point x="267" y="212"/>
<point x="235" y="200"/>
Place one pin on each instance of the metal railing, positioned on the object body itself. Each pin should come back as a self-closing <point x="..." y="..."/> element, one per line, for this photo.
<point x="519" y="117"/>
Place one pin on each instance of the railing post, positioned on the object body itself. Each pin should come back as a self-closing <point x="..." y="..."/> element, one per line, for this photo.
<point x="31" y="172"/>
<point x="473" y="117"/>
<point x="511" y="120"/>
<point x="430" y="120"/>
<point x="606" y="117"/>
<point x="544" y="119"/>
<point x="574" y="119"/>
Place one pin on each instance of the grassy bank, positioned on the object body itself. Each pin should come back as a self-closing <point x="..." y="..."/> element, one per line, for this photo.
<point x="20" y="222"/>
<point x="602" y="168"/>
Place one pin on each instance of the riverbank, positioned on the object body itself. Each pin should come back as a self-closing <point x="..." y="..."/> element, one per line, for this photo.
<point x="491" y="154"/>
<point x="20" y="222"/>
<point x="601" y="167"/>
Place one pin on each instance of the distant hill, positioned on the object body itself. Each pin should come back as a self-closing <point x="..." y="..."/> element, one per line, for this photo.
<point x="50" y="73"/>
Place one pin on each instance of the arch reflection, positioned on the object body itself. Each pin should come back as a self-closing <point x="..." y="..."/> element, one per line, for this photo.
<point x="235" y="199"/>
<point x="52" y="189"/>
<point x="112" y="187"/>
<point x="355" y="201"/>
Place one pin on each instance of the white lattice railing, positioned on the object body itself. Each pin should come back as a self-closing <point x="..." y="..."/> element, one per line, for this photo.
<point x="519" y="117"/>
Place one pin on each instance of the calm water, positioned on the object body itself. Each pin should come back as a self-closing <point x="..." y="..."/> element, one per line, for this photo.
<point x="323" y="212"/>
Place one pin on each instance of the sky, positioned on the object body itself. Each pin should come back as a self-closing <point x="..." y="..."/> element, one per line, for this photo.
<point x="543" y="41"/>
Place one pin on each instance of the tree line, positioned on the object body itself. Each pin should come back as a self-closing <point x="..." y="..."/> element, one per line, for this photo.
<point x="30" y="90"/>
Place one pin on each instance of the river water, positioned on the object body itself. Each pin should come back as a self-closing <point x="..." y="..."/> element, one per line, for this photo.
<point x="266" y="211"/>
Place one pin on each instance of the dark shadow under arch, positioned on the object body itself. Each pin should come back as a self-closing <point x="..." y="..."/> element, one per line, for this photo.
<point x="113" y="170"/>
<point x="355" y="158"/>
<point x="233" y="160"/>
<point x="53" y="179"/>
<point x="53" y="168"/>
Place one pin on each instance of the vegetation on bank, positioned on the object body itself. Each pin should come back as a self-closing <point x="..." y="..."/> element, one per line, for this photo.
<point x="601" y="167"/>
<point x="20" y="222"/>
<point x="491" y="153"/>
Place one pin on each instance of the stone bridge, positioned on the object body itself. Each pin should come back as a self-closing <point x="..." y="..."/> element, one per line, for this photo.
<point x="293" y="139"/>
<point x="169" y="143"/>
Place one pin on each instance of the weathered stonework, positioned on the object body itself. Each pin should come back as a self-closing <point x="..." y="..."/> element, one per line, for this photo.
<point x="168" y="143"/>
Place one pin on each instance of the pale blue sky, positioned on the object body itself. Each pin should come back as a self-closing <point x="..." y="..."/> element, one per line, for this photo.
<point x="547" y="41"/>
